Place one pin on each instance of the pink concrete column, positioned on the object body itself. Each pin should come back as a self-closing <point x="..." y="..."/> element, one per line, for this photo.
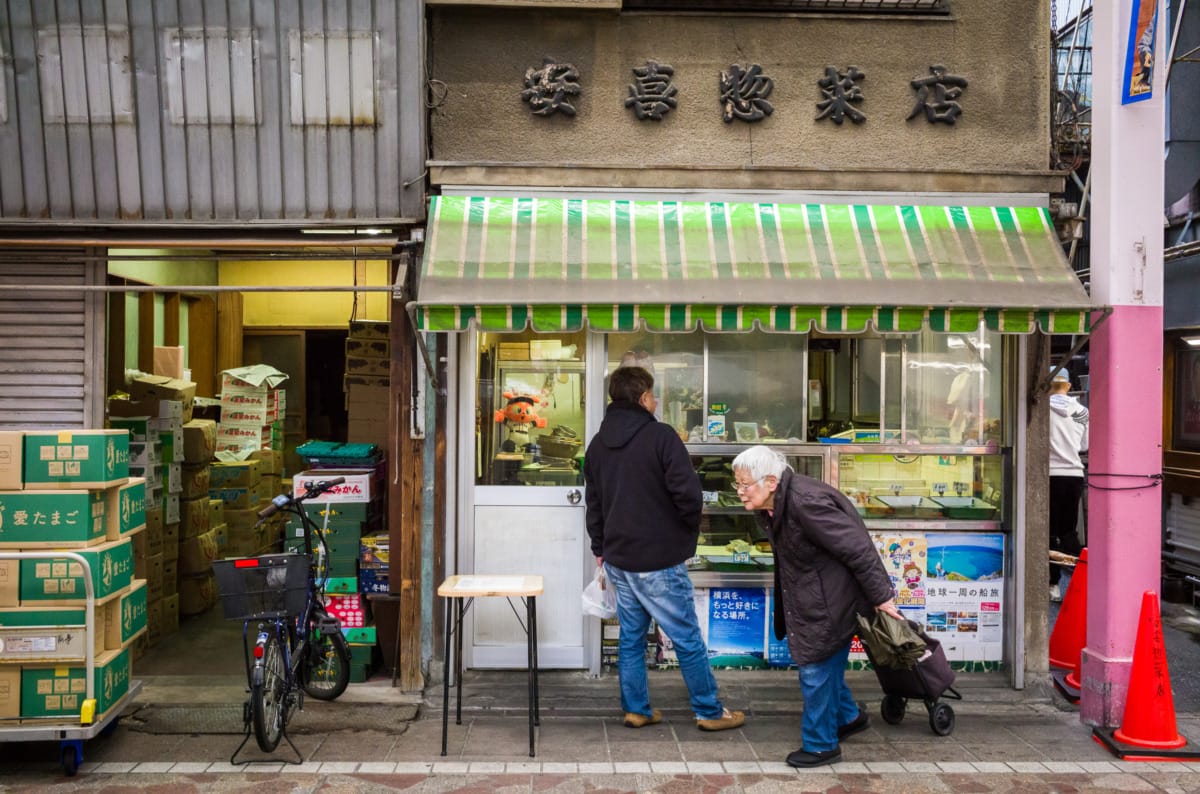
<point x="1124" y="526"/>
<point x="1124" y="533"/>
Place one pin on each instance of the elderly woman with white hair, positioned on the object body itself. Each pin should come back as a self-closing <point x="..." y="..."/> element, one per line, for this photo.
<point x="827" y="570"/>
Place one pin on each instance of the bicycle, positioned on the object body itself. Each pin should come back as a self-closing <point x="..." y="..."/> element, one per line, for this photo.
<point x="298" y="648"/>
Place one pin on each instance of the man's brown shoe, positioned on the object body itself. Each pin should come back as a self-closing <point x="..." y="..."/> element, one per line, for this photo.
<point x="635" y="720"/>
<point x="728" y="719"/>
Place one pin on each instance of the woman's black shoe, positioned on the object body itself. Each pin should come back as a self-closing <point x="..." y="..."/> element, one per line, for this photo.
<point x="804" y="758"/>
<point x="859" y="723"/>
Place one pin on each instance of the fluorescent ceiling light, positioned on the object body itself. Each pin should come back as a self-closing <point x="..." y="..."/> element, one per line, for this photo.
<point x="1194" y="341"/>
<point x="346" y="232"/>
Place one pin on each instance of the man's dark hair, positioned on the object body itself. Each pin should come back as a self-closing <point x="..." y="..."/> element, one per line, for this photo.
<point x="629" y="384"/>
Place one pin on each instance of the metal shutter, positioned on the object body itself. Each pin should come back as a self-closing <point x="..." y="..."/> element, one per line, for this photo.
<point x="1181" y="546"/>
<point x="51" y="342"/>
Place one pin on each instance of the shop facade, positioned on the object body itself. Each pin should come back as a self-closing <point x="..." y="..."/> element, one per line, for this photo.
<point x="872" y="297"/>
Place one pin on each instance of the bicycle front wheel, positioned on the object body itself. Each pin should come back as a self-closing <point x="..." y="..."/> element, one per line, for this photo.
<point x="325" y="671"/>
<point x="268" y="698"/>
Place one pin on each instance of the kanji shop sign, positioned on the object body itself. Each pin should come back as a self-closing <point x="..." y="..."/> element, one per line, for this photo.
<point x="743" y="92"/>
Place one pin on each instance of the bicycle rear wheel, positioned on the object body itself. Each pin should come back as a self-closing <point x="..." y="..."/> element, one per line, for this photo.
<point x="325" y="671"/>
<point x="268" y="698"/>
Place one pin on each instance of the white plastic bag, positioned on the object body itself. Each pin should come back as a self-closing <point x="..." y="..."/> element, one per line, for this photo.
<point x="598" y="598"/>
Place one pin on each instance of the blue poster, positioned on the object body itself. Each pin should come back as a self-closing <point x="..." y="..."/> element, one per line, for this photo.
<point x="778" y="654"/>
<point x="736" y="622"/>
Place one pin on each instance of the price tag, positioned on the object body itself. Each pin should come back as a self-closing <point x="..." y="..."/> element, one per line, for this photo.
<point x="741" y="556"/>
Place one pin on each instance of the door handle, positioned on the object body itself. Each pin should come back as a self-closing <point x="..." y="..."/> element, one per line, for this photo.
<point x="574" y="495"/>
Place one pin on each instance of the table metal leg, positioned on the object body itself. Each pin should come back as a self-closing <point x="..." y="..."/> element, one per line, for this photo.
<point x="531" y="668"/>
<point x="537" y="691"/>
<point x="449" y="629"/>
<point x="458" y="663"/>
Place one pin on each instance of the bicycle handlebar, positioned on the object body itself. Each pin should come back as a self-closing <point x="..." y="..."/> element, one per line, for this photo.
<point x="283" y="500"/>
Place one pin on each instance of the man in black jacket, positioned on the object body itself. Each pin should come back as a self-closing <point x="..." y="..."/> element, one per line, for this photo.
<point x="643" y="517"/>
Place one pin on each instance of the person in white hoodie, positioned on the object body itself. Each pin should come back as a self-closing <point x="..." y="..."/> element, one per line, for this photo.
<point x="1068" y="437"/>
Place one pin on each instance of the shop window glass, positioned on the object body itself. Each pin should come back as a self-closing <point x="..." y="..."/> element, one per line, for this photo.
<point x="952" y="391"/>
<point x="743" y="388"/>
<point x="529" y="417"/>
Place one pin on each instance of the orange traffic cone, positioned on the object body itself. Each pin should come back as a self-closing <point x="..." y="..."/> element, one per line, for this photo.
<point x="1068" y="683"/>
<point x="1148" y="731"/>
<point x="1070" y="628"/>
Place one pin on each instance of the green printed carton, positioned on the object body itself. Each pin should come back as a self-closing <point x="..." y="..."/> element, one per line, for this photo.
<point x="126" y="512"/>
<point x="61" y="578"/>
<point x="54" y="459"/>
<point x="125" y="617"/>
<point x="60" y="690"/>
<point x="51" y="519"/>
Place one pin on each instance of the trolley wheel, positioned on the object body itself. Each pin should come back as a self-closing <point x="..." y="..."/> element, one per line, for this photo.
<point x="941" y="719"/>
<point x="892" y="709"/>
<point x="69" y="756"/>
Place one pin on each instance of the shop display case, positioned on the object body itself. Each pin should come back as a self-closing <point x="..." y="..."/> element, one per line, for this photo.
<point x="733" y="550"/>
<point x="927" y="487"/>
<point x="894" y="487"/>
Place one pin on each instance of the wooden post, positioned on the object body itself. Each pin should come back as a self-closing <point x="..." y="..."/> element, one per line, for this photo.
<point x="171" y="319"/>
<point x="116" y="343"/>
<point x="405" y="470"/>
<point x="145" y="345"/>
<point x="202" y="344"/>
<point x="229" y="330"/>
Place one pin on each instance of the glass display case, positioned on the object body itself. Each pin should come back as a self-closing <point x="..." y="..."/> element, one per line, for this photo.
<point x="930" y="487"/>
<point x="733" y="549"/>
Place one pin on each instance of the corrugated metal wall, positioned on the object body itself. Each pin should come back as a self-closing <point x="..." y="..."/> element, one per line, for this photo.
<point x="51" y="342"/>
<point x="212" y="110"/>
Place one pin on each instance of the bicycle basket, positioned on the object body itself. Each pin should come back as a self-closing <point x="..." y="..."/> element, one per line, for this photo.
<point x="268" y="586"/>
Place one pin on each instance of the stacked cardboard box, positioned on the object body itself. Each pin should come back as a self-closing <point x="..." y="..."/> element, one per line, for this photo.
<point x="170" y="484"/>
<point x="341" y="514"/>
<point x="367" y="381"/>
<point x="252" y="410"/>
<point x="374" y="563"/>
<point x="364" y="653"/>
<point x="192" y="585"/>
<point x="243" y="492"/>
<point x="67" y="491"/>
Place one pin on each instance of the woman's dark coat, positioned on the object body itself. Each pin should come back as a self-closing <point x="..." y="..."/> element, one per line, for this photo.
<point x="827" y="568"/>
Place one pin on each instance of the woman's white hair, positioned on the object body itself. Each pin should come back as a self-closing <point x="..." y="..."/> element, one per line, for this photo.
<point x="761" y="461"/>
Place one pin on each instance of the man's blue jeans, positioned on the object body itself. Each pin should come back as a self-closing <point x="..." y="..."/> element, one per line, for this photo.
<point x="666" y="596"/>
<point x="827" y="701"/>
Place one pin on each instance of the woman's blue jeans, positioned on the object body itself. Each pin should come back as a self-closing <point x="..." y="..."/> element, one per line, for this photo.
<point x="666" y="596"/>
<point x="827" y="701"/>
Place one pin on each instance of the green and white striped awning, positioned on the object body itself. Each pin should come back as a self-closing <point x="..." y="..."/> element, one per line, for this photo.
<point x="504" y="264"/>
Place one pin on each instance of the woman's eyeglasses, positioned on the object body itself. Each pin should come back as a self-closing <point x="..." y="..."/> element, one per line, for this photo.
<point x="745" y="486"/>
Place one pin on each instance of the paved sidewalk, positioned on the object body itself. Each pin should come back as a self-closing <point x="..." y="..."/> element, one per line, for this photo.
<point x="376" y="738"/>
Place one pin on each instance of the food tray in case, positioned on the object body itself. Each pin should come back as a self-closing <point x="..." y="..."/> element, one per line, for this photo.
<point x="911" y="506"/>
<point x="965" y="507"/>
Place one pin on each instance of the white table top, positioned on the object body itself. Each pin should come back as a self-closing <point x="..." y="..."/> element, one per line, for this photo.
<point x="482" y="585"/>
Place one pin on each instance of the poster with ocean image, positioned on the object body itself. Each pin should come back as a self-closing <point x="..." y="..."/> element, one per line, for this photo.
<point x="964" y="593"/>
<point x="736" y="618"/>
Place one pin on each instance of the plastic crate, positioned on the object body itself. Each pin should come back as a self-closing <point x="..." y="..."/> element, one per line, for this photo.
<point x="335" y="454"/>
<point x="268" y="586"/>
